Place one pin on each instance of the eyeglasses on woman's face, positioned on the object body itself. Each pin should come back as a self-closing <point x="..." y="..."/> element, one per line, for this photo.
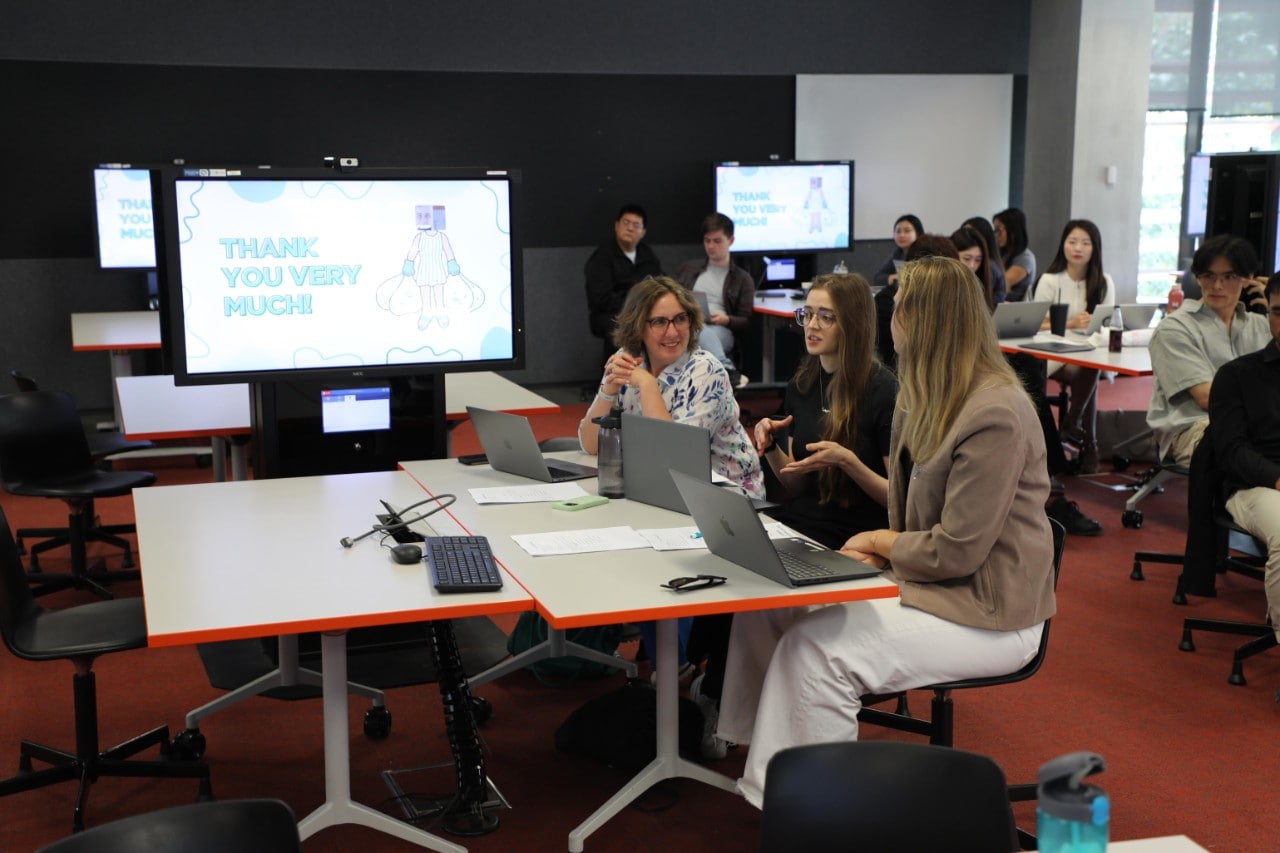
<point x="659" y="324"/>
<point x="825" y="319"/>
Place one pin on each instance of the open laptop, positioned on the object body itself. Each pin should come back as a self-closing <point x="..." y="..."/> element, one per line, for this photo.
<point x="701" y="299"/>
<point x="652" y="448"/>
<point x="1137" y="315"/>
<point x="1019" y="319"/>
<point x="734" y="532"/>
<point x="509" y="443"/>
<point x="1101" y="317"/>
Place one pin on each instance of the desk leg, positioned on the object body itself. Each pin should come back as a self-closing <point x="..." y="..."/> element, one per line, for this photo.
<point x="219" y="445"/>
<point x="555" y="646"/>
<point x="768" y="344"/>
<point x="338" y="807"/>
<point x="121" y="365"/>
<point x="668" y="764"/>
<point x="286" y="674"/>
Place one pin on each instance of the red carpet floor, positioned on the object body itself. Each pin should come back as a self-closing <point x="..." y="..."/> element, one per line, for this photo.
<point x="1185" y="751"/>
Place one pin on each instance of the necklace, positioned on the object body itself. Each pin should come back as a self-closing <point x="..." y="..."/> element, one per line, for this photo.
<point x="822" y="393"/>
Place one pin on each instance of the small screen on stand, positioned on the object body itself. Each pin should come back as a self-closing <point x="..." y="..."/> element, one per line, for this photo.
<point x="781" y="270"/>
<point x="355" y="409"/>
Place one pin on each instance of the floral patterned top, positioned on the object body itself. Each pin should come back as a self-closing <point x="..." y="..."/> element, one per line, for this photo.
<point x="696" y="390"/>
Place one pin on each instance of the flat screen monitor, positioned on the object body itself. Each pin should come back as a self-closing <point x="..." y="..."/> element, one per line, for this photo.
<point x="122" y="207"/>
<point x="1198" y="174"/>
<point x="779" y="271"/>
<point x="787" y="207"/>
<point x="339" y="276"/>
<point x="355" y="409"/>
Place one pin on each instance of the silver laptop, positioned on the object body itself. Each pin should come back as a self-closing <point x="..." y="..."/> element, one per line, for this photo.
<point x="1101" y="317"/>
<point x="701" y="299"/>
<point x="1019" y="319"/>
<point x="1137" y="315"/>
<point x="734" y="532"/>
<point x="652" y="448"/>
<point x="509" y="443"/>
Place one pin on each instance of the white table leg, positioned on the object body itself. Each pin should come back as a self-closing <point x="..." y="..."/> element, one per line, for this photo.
<point x="338" y="807"/>
<point x="668" y="764"/>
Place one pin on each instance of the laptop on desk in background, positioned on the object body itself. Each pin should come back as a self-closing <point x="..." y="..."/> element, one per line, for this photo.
<point x="1019" y="319"/>
<point x="734" y="532"/>
<point x="511" y="447"/>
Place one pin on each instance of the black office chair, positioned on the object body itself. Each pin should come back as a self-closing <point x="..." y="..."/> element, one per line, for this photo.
<point x="242" y="826"/>
<point x="1246" y="555"/>
<point x="79" y="635"/>
<point x="44" y="453"/>
<point x="884" y="796"/>
<point x="939" y="727"/>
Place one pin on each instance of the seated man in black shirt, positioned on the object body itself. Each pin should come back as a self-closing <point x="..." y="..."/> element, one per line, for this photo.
<point x="614" y="267"/>
<point x="1244" y="409"/>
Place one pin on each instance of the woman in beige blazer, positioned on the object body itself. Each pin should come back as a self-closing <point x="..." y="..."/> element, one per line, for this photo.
<point x="968" y="543"/>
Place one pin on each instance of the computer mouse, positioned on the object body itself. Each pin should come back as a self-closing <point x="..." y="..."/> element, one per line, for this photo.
<point x="406" y="552"/>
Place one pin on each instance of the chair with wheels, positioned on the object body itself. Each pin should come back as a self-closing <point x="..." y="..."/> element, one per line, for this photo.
<point x="939" y="727"/>
<point x="44" y="453"/>
<point x="243" y="826"/>
<point x="102" y="446"/>
<point x="1244" y="554"/>
<point x="884" y="796"/>
<point x="80" y="635"/>
<point x="1152" y="482"/>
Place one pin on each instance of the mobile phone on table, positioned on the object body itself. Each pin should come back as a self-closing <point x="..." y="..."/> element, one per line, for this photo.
<point x="473" y="459"/>
<point x="584" y="502"/>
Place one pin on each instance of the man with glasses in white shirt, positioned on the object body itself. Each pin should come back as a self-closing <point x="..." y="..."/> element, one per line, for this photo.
<point x="614" y="267"/>
<point x="1189" y="346"/>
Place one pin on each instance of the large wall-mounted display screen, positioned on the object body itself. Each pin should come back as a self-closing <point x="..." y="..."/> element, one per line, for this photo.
<point x="787" y="207"/>
<point x="344" y="275"/>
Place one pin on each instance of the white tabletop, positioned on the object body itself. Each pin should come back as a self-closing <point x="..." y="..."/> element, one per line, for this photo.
<point x="777" y="306"/>
<point x="115" y="330"/>
<point x="488" y="390"/>
<point x="152" y="407"/>
<point x="1164" y="844"/>
<point x="259" y="558"/>
<point x="1130" y="361"/>
<point x="617" y="586"/>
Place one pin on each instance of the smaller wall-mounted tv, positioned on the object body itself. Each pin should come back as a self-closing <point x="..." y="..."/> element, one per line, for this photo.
<point x="787" y="207"/>
<point x="122" y="207"/>
<point x="338" y="275"/>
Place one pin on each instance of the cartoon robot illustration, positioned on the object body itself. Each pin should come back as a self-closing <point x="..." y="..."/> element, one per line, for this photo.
<point x="816" y="204"/>
<point x="430" y="262"/>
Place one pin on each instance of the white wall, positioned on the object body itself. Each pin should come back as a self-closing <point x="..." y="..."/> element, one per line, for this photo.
<point x="934" y="145"/>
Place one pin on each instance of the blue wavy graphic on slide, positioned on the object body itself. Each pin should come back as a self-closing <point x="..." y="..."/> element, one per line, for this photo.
<point x="185" y="221"/>
<point x="497" y="223"/>
<point x="400" y="355"/>
<point x="343" y="187"/>
<point x="258" y="192"/>
<point x="496" y="344"/>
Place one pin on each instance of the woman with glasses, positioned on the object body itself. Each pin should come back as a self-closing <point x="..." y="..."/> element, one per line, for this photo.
<point x="829" y="448"/>
<point x="968" y="544"/>
<point x="659" y="371"/>
<point x="1076" y="278"/>
<point x="1010" y="227"/>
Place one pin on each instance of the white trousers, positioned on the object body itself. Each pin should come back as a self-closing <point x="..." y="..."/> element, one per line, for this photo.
<point x="795" y="676"/>
<point x="1258" y="511"/>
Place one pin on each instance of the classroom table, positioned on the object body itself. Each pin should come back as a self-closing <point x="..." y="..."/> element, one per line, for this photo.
<point x="621" y="586"/>
<point x="117" y="332"/>
<point x="259" y="558"/>
<point x="1130" y="361"/>
<point x="775" y="311"/>
<point x="153" y="408"/>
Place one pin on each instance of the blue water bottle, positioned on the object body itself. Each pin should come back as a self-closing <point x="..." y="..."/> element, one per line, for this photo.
<point x="1072" y="817"/>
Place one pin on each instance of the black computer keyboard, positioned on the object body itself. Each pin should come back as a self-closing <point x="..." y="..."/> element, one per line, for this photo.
<point x="462" y="564"/>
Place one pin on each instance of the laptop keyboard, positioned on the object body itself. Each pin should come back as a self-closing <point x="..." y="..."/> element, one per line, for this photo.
<point x="800" y="569"/>
<point x="462" y="564"/>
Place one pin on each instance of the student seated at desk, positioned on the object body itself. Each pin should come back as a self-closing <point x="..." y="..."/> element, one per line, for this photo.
<point x="659" y="371"/>
<point x="968" y="543"/>
<point x="838" y="409"/>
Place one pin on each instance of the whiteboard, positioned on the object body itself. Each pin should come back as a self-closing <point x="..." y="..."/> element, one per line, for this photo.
<point x="934" y="145"/>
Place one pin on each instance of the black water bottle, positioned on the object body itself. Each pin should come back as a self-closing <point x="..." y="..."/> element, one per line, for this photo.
<point x="609" y="454"/>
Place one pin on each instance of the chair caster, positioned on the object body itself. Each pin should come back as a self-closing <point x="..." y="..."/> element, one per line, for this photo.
<point x="1119" y="464"/>
<point x="377" y="722"/>
<point x="1136" y="574"/>
<point x="1131" y="518"/>
<point x="1237" y="675"/>
<point x="188" y="745"/>
<point x="1186" y="644"/>
<point x="481" y="710"/>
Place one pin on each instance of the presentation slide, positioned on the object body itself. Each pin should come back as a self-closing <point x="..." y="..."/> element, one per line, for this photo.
<point x="125" y="236"/>
<point x="786" y="207"/>
<point x="342" y="273"/>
